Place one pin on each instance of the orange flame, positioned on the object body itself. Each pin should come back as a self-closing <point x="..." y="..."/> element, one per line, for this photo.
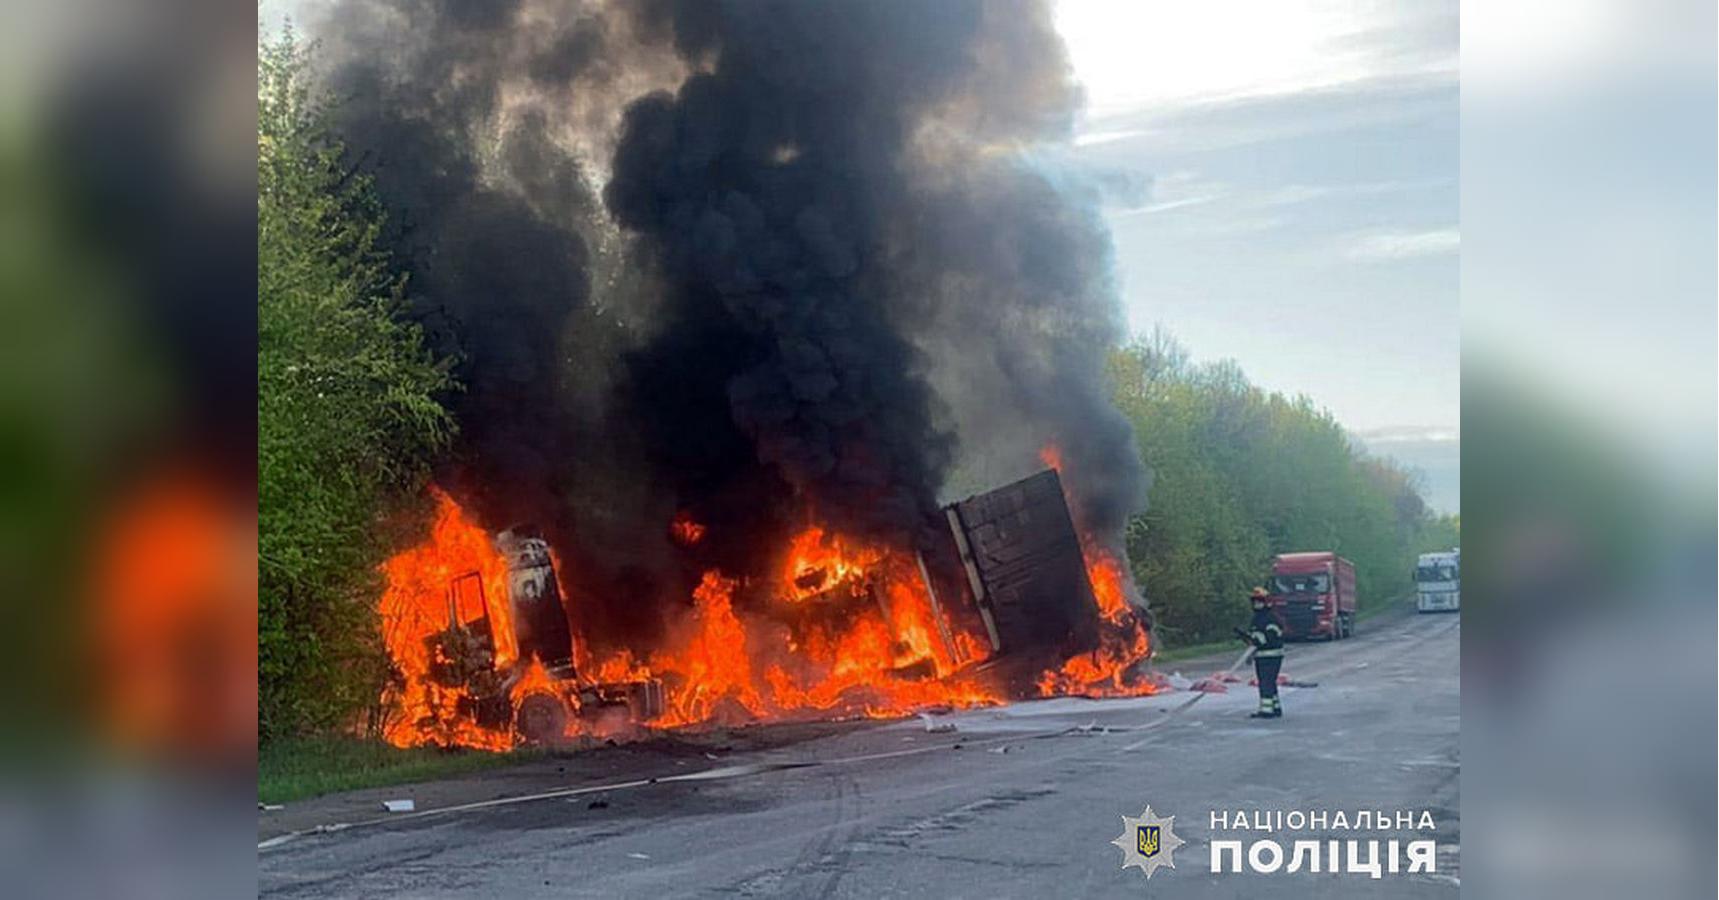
<point x="816" y="562"/>
<point x="841" y="627"/>
<point x="453" y="583"/>
<point x="713" y="664"/>
<point x="686" y="530"/>
<point x="1111" y="669"/>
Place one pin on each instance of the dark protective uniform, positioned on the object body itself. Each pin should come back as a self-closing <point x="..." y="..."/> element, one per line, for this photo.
<point x="1267" y="638"/>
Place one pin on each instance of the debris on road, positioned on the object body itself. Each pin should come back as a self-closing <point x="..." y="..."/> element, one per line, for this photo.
<point x="1178" y="681"/>
<point x="1210" y="686"/>
<point x="935" y="725"/>
<point x="398" y="806"/>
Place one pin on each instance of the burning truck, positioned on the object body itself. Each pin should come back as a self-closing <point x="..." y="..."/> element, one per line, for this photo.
<point x="1005" y="601"/>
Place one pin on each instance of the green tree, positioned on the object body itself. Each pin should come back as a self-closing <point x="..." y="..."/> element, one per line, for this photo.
<point x="1196" y="549"/>
<point x="349" y="410"/>
<point x="1241" y="474"/>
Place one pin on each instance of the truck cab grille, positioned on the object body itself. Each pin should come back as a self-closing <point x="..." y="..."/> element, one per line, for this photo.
<point x="1299" y="617"/>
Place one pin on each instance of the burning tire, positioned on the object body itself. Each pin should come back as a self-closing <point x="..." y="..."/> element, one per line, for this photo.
<point x="542" y="718"/>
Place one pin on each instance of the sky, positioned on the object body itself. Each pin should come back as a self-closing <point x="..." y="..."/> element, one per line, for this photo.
<point x="1294" y="200"/>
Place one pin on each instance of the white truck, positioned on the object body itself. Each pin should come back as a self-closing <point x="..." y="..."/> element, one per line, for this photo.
<point x="1438" y="581"/>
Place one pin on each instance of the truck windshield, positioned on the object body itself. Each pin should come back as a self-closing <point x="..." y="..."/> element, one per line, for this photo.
<point x="1436" y="573"/>
<point x="1316" y="583"/>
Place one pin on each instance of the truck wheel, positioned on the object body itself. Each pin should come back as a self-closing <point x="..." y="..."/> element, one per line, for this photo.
<point x="542" y="718"/>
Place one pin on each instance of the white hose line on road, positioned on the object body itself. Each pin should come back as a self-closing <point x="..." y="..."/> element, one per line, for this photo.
<point x="721" y="772"/>
<point x="1182" y="707"/>
<point x="703" y="775"/>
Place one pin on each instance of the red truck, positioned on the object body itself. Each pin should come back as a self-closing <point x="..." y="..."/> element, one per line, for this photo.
<point x="1313" y="594"/>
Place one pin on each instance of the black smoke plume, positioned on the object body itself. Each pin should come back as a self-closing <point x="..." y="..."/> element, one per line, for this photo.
<point x="766" y="263"/>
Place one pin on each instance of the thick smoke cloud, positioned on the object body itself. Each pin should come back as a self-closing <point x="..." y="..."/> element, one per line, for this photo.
<point x="479" y="123"/>
<point x="1001" y="250"/>
<point x="496" y="278"/>
<point x="767" y="188"/>
<point x="766" y="263"/>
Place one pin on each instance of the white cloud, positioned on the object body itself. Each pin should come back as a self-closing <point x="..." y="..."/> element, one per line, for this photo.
<point x="1291" y="194"/>
<point x="1386" y="246"/>
<point x="1410" y="434"/>
<point x="1176" y="190"/>
<point x="1094" y="138"/>
<point x="1135" y="55"/>
<point x="1166" y="206"/>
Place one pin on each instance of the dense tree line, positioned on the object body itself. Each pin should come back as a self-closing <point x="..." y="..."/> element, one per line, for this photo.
<point x="1241" y="474"/>
<point x="349" y="411"/>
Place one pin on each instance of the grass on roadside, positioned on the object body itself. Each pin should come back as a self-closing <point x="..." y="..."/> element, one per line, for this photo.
<point x="1178" y="654"/>
<point x="298" y="768"/>
<point x="1372" y="609"/>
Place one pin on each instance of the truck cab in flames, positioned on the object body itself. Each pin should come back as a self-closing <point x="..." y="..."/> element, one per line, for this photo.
<point x="514" y="662"/>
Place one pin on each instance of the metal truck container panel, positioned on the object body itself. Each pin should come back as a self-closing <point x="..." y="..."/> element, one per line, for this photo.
<point x="1025" y="567"/>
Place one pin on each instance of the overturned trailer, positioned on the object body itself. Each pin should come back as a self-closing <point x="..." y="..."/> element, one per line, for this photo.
<point x="1005" y="566"/>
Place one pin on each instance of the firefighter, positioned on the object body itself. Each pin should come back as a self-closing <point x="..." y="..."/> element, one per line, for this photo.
<point x="1266" y="636"/>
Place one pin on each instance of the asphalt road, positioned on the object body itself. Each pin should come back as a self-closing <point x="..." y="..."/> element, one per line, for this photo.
<point x="1022" y="801"/>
